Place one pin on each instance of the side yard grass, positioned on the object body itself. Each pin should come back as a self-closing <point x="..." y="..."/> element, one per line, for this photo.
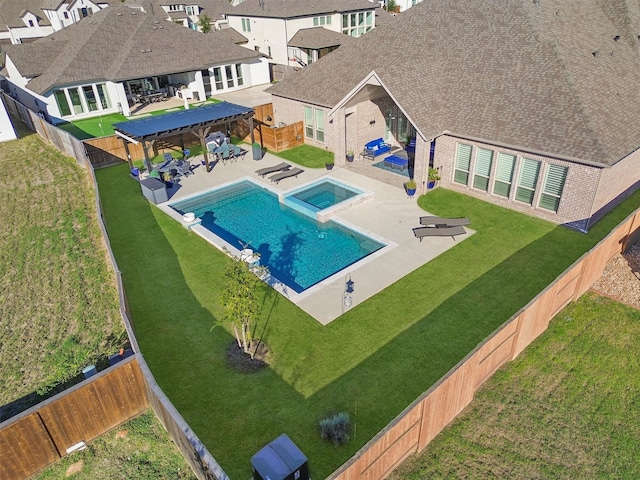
<point x="140" y="448"/>
<point x="58" y="300"/>
<point x="567" y="407"/>
<point x="371" y="362"/>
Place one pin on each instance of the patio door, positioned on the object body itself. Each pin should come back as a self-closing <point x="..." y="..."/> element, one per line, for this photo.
<point x="397" y="126"/>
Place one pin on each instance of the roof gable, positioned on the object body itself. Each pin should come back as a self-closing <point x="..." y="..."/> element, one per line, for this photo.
<point x="510" y="72"/>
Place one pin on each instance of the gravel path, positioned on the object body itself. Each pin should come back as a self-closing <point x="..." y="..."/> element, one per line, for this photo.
<point x="621" y="277"/>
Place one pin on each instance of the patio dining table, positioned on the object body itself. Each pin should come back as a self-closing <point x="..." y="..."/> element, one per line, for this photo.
<point x="151" y="96"/>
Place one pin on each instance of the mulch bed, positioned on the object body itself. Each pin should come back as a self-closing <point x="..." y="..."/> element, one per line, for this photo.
<point x="242" y="362"/>
<point x="621" y="278"/>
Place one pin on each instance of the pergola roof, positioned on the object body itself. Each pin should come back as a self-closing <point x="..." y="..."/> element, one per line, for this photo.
<point x="184" y="121"/>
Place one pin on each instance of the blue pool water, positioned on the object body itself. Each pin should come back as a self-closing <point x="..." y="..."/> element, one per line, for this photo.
<point x="298" y="251"/>
<point x="324" y="194"/>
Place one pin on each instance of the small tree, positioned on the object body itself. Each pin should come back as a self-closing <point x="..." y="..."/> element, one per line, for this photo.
<point x="204" y="22"/>
<point x="391" y="5"/>
<point x="239" y="301"/>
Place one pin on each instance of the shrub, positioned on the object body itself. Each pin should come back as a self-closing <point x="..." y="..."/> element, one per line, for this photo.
<point x="335" y="428"/>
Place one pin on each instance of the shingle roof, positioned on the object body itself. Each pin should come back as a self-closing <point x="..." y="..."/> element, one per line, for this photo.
<point x="317" y="38"/>
<point x="296" y="8"/>
<point x="119" y="43"/>
<point x="231" y="35"/>
<point x="512" y="72"/>
<point x="11" y="12"/>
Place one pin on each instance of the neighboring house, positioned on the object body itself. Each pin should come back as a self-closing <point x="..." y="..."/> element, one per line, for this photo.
<point x="270" y="26"/>
<point x="188" y="14"/>
<point x="94" y="66"/>
<point x="24" y="21"/>
<point x="530" y="105"/>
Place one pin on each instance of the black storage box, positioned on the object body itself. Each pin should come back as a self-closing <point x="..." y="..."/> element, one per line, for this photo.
<point x="280" y="460"/>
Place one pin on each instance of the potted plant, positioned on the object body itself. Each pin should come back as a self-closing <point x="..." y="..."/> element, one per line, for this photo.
<point x="350" y="155"/>
<point x="410" y="186"/>
<point x="329" y="164"/>
<point x="434" y="176"/>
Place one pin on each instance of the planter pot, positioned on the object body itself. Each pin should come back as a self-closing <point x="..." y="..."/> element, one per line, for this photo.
<point x="135" y="171"/>
<point x="329" y="166"/>
<point x="411" y="191"/>
<point x="349" y="158"/>
<point x="431" y="184"/>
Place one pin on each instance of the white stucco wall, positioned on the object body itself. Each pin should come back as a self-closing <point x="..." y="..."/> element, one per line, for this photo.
<point x="7" y="131"/>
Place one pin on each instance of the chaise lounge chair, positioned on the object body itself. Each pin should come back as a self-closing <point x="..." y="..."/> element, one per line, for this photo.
<point x="421" y="232"/>
<point x="276" y="168"/>
<point x="294" y="172"/>
<point x="444" y="222"/>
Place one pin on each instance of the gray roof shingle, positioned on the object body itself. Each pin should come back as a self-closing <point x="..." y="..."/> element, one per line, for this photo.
<point x="297" y="8"/>
<point x="516" y="73"/>
<point x="318" y="37"/>
<point x="119" y="43"/>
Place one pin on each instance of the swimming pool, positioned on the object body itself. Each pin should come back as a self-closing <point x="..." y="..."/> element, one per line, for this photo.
<point x="298" y="250"/>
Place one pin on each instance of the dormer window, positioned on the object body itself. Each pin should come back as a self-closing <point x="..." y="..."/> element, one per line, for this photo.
<point x="31" y="23"/>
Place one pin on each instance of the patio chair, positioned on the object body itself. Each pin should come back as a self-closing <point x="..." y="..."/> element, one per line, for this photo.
<point x="421" y="232"/>
<point x="444" y="222"/>
<point x="184" y="169"/>
<point x="294" y="172"/>
<point x="224" y="154"/>
<point x="168" y="157"/>
<point x="238" y="152"/>
<point x="276" y="168"/>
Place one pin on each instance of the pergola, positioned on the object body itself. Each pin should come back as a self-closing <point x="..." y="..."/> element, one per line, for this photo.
<point x="198" y="121"/>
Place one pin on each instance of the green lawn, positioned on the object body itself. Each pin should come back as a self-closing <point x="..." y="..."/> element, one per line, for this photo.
<point x="59" y="306"/>
<point x="102" y="126"/>
<point x="567" y="407"/>
<point x="307" y="156"/>
<point x="137" y="449"/>
<point x="371" y="362"/>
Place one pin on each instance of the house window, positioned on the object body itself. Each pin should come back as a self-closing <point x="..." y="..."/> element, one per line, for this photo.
<point x="76" y="102"/>
<point x="552" y="187"/>
<point x="190" y="10"/>
<point x="528" y="180"/>
<point x="31" y="23"/>
<point x="319" y="125"/>
<point x="61" y="100"/>
<point x="175" y="8"/>
<point x="103" y="95"/>
<point x="314" y="123"/>
<point x="246" y="25"/>
<point x="217" y="76"/>
<point x="229" y="73"/>
<point x="239" y="72"/>
<point x="463" y="163"/>
<point x="308" y="122"/>
<point x="90" y="98"/>
<point x="321" y="21"/>
<point x="484" y="160"/>
<point x="369" y="20"/>
<point x="66" y="15"/>
<point x="504" y="175"/>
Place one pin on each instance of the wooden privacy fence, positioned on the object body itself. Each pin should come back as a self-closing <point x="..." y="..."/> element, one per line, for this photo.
<point x="42" y="434"/>
<point x="420" y="422"/>
<point x="267" y="134"/>
<point x="63" y="140"/>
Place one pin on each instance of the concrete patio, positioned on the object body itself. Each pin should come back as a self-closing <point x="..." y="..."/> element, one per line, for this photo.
<point x="388" y="216"/>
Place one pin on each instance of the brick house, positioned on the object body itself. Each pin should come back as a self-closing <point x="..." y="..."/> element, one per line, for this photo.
<point x="530" y="105"/>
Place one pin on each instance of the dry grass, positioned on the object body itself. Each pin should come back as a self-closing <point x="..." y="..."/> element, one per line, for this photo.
<point x="58" y="300"/>
<point x="566" y="408"/>
<point x="138" y="449"/>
